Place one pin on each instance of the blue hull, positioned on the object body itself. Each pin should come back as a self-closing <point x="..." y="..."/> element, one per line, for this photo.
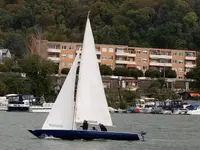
<point x="86" y="135"/>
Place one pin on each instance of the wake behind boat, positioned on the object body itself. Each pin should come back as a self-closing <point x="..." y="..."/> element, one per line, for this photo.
<point x="90" y="101"/>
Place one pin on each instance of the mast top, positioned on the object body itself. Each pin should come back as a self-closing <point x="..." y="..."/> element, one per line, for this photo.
<point x="88" y="15"/>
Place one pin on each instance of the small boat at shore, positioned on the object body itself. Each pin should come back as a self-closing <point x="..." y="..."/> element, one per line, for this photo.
<point x="90" y="102"/>
<point x="44" y="108"/>
<point x="193" y="109"/>
<point x="16" y="102"/>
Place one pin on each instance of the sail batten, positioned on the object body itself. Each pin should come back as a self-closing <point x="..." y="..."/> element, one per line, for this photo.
<point x="61" y="116"/>
<point x="91" y="101"/>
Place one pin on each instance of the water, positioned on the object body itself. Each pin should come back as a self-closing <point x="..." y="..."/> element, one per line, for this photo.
<point x="164" y="132"/>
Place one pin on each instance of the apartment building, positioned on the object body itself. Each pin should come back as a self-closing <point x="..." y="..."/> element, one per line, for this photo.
<point x="114" y="56"/>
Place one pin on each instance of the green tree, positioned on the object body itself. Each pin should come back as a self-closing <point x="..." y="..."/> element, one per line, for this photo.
<point x="3" y="68"/>
<point x="135" y="72"/>
<point x="130" y="96"/>
<point x="142" y="23"/>
<point x="16" y="44"/>
<point x="190" y="19"/>
<point x="105" y="70"/>
<point x="121" y="71"/>
<point x="16" y="69"/>
<point x="152" y="73"/>
<point x="9" y="63"/>
<point x="190" y="74"/>
<point x="38" y="72"/>
<point x="159" y="91"/>
<point x="65" y="71"/>
<point x="168" y="73"/>
<point x="3" y="89"/>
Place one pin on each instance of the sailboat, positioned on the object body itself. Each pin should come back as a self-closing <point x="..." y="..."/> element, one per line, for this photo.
<point x="89" y="103"/>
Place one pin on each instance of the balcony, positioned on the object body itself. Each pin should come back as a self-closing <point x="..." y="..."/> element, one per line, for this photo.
<point x="79" y="51"/>
<point x="160" y="64"/>
<point x="121" y="53"/>
<point x="130" y="62"/>
<point x="54" y="59"/>
<point x="131" y="54"/>
<point x="99" y="61"/>
<point x="121" y="62"/>
<point x="190" y="57"/>
<point x="124" y="62"/>
<point x="54" y="50"/>
<point x="161" y="56"/>
<point x="190" y="65"/>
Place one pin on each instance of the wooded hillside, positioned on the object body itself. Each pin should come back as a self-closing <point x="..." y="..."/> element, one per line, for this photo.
<point x="143" y="23"/>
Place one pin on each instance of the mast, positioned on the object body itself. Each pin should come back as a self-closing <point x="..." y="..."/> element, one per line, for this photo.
<point x="75" y="92"/>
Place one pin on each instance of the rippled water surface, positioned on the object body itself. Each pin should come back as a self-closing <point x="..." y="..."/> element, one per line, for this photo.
<point x="164" y="132"/>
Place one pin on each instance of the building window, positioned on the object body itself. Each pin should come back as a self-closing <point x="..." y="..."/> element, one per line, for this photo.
<point x="64" y="55"/>
<point x="64" y="64"/>
<point x="110" y="50"/>
<point x="71" y="56"/>
<point x="64" y="47"/>
<point x="104" y="49"/>
<point x="174" y="53"/>
<point x="78" y="47"/>
<point x="103" y="57"/>
<point x="130" y="59"/>
<point x="110" y="57"/>
<point x="138" y="59"/>
<point x="187" y="69"/>
<point x="181" y="54"/>
<point x="70" y="64"/>
<point x="71" y="47"/>
<point x="119" y="50"/>
<point x="180" y="69"/>
<point x="144" y="52"/>
<point x="190" y="54"/>
<point x="175" y="61"/>
<point x="138" y="51"/>
<point x="180" y="61"/>
<point x="144" y="60"/>
<point x="53" y="46"/>
<point x="180" y="77"/>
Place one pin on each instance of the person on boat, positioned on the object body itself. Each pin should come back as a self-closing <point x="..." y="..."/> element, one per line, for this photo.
<point x="102" y="127"/>
<point x="94" y="129"/>
<point x="85" y="125"/>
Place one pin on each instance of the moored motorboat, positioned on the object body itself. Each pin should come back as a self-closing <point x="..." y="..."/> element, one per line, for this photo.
<point x="193" y="109"/>
<point x="45" y="108"/>
<point x="16" y="102"/>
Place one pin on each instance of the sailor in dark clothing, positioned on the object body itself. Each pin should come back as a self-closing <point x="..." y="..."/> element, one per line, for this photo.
<point x="94" y="129"/>
<point x="102" y="127"/>
<point x="85" y="125"/>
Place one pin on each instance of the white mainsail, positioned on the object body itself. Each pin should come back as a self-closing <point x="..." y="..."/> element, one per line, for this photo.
<point x="61" y="116"/>
<point x="91" y="103"/>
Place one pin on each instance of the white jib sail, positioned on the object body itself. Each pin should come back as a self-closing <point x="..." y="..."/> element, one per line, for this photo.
<point x="91" y="103"/>
<point x="61" y="116"/>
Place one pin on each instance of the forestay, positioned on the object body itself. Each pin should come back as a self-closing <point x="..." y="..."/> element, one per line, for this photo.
<point x="61" y="116"/>
<point x="91" y="101"/>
